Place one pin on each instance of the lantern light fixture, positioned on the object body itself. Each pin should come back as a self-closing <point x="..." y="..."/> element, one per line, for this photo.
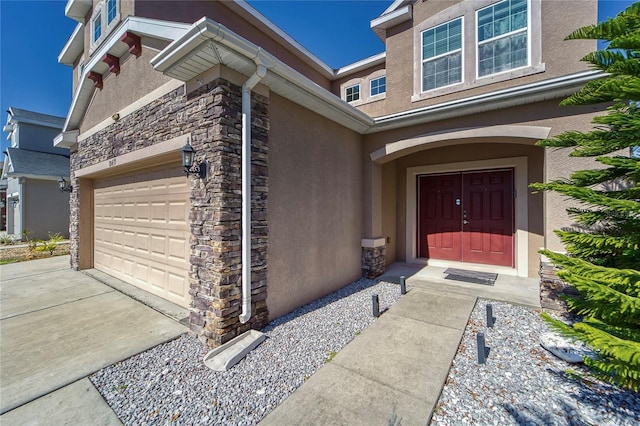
<point x="63" y="186"/>
<point x="188" y="153"/>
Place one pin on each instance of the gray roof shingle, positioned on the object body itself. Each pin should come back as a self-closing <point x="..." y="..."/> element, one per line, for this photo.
<point x="25" y="162"/>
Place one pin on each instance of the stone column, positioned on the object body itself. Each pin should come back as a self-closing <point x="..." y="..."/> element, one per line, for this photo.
<point x="373" y="257"/>
<point x="216" y="208"/>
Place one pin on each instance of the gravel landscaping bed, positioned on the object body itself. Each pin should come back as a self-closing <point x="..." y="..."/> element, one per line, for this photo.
<point x="170" y="384"/>
<point x="521" y="383"/>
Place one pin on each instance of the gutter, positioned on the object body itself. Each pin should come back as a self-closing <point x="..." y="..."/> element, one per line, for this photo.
<point x="258" y="75"/>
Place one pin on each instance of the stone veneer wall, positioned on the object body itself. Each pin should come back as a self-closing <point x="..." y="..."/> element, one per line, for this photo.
<point x="552" y="288"/>
<point x="373" y="261"/>
<point x="211" y="115"/>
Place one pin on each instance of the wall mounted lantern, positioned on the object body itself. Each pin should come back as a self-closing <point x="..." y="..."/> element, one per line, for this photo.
<point x="63" y="186"/>
<point x="187" y="152"/>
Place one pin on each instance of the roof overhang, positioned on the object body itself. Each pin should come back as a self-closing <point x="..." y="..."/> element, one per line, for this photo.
<point x="161" y="30"/>
<point x="66" y="139"/>
<point x="73" y="47"/>
<point x="78" y="9"/>
<point x="369" y="62"/>
<point x="209" y="43"/>
<point x="555" y="88"/>
<point x="382" y="23"/>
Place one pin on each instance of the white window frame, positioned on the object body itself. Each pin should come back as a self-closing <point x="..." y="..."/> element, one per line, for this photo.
<point x="460" y="50"/>
<point x="97" y="17"/>
<point x="346" y="94"/>
<point x="526" y="30"/>
<point x="101" y="11"/>
<point x="375" y="79"/>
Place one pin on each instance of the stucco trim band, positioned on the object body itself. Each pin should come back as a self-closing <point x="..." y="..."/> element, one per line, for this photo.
<point x="521" y="204"/>
<point x="373" y="242"/>
<point x="131" y="158"/>
<point x="143" y="101"/>
<point x="404" y="147"/>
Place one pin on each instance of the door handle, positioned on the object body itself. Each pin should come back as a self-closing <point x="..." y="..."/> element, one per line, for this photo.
<point x="465" y="222"/>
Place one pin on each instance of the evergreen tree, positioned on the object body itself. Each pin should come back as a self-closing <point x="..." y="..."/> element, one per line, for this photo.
<point x="603" y="261"/>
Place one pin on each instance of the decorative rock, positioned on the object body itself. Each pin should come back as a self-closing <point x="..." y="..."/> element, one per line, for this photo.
<point x="564" y="349"/>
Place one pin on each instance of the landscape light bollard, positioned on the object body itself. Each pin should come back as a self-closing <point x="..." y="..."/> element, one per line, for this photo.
<point x="376" y="305"/>
<point x="403" y="285"/>
<point x="490" y="318"/>
<point x="482" y="350"/>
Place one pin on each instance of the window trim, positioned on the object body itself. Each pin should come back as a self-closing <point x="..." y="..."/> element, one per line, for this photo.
<point x="526" y="30"/>
<point x="96" y="17"/>
<point x="101" y="11"/>
<point x="467" y="10"/>
<point x="461" y="50"/>
<point x="346" y="95"/>
<point x="371" y="95"/>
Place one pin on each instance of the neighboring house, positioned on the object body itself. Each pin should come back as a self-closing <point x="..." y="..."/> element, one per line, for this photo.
<point x="32" y="168"/>
<point x="3" y="201"/>
<point x="421" y="154"/>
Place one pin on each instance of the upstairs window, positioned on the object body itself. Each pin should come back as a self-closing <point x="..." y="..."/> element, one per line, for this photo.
<point x="502" y="37"/>
<point x="96" y="24"/>
<point x="352" y="93"/>
<point x="442" y="55"/>
<point x="378" y="86"/>
<point x="112" y="10"/>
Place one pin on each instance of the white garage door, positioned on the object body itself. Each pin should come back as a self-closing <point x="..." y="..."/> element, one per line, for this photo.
<point x="142" y="231"/>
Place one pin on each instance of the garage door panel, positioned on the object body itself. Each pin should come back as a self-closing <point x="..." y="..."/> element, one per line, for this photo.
<point x="142" y="231"/>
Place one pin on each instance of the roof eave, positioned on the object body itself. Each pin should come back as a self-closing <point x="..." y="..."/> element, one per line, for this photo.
<point x="73" y="47"/>
<point x="382" y="23"/>
<point x="162" y="30"/>
<point x="514" y="96"/>
<point x="209" y="41"/>
<point x="78" y="9"/>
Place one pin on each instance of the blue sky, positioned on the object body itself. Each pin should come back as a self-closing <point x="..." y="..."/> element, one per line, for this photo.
<point x="32" y="33"/>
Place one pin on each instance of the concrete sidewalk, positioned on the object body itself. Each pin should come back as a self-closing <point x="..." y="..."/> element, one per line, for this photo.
<point x="399" y="364"/>
<point x="58" y="326"/>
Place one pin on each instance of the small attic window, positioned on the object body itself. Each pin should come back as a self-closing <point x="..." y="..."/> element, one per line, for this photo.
<point x="352" y="93"/>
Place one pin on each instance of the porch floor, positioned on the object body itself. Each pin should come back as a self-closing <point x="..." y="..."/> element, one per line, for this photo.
<point x="512" y="289"/>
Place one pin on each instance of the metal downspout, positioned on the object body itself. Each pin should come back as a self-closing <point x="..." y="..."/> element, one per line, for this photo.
<point x="260" y="72"/>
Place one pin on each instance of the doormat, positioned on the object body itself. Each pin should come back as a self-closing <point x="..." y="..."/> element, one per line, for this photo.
<point x="474" y="277"/>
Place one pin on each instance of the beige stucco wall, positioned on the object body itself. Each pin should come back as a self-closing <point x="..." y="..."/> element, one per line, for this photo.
<point x="137" y="78"/>
<point x="558" y="57"/>
<point x="314" y="206"/>
<point x="45" y="208"/>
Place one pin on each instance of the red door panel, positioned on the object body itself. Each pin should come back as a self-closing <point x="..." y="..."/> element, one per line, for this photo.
<point x="487" y="234"/>
<point x="439" y="220"/>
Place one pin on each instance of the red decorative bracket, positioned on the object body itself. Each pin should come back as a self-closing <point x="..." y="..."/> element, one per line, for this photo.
<point x="97" y="79"/>
<point x="133" y="41"/>
<point x="113" y="62"/>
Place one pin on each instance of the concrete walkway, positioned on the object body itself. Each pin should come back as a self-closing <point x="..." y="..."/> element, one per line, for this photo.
<point x="400" y="363"/>
<point x="57" y="327"/>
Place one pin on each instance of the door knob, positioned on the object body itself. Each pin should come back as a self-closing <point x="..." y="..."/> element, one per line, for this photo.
<point x="465" y="221"/>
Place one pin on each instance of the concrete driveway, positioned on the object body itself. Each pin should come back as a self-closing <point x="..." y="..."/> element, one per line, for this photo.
<point x="57" y="326"/>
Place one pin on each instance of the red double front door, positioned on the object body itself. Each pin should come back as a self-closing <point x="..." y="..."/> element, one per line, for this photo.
<point x="466" y="217"/>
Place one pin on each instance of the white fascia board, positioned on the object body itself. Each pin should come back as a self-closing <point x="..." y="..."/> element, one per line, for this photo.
<point x="163" y="30"/>
<point x="326" y="69"/>
<point x="38" y="177"/>
<point x="396" y="4"/>
<point x="363" y="64"/>
<point x="505" y="98"/>
<point x="392" y="19"/>
<point x="77" y="9"/>
<point x="73" y="47"/>
<point x="66" y="139"/>
<point x="206" y="30"/>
